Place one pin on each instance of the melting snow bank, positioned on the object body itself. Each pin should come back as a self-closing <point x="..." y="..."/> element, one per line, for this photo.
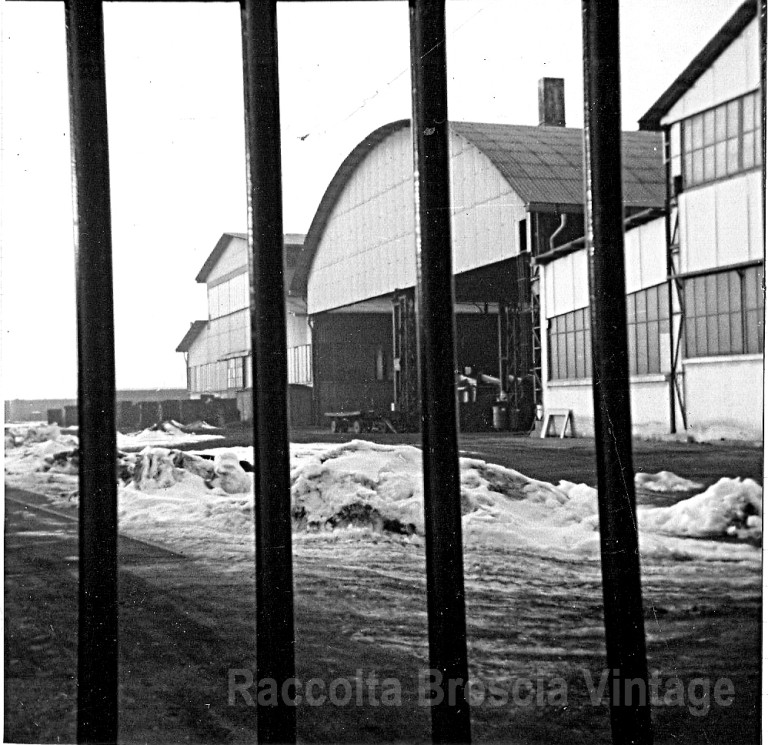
<point x="201" y="503"/>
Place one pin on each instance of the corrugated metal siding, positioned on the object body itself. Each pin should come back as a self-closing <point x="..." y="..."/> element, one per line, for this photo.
<point x="734" y="73"/>
<point x="367" y="249"/>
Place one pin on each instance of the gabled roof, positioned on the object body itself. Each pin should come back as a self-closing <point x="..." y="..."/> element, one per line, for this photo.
<point x="195" y="329"/>
<point x="699" y="65"/>
<point x="290" y="239"/>
<point x="542" y="164"/>
<point x="215" y="255"/>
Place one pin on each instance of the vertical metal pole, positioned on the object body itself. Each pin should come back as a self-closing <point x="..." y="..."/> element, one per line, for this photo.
<point x="624" y="628"/>
<point x="762" y="12"/>
<point x="445" y="571"/>
<point x="670" y="276"/>
<point x="503" y="343"/>
<point x="97" y="633"/>
<point x="274" y="575"/>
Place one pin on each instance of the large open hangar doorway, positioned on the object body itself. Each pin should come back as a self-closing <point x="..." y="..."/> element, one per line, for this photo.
<point x="364" y="354"/>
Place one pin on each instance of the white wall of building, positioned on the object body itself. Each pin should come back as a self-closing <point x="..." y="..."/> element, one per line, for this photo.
<point x="649" y="403"/>
<point x="735" y="72"/>
<point x="725" y="393"/>
<point x="566" y="288"/>
<point x="368" y="247"/>
<point x="721" y="223"/>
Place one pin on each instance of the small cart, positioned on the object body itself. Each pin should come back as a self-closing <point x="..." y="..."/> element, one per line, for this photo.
<point x="359" y="421"/>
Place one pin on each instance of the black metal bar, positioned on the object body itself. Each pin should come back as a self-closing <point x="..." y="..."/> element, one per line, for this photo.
<point x="502" y="329"/>
<point x="97" y="633"/>
<point x="445" y="571"/>
<point x="762" y="12"/>
<point x="274" y="575"/>
<point x="622" y="597"/>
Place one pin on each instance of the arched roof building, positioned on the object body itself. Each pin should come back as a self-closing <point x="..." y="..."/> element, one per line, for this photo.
<point x="503" y="177"/>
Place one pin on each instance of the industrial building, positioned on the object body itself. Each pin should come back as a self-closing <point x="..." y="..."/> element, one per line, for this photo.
<point x="694" y="251"/>
<point x="217" y="350"/>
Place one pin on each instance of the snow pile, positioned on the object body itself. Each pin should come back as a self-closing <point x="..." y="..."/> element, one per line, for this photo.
<point x="26" y="433"/>
<point x="165" y="434"/>
<point x="730" y="507"/>
<point x="203" y="501"/>
<point x="362" y="484"/>
<point x="664" y="481"/>
<point x="160" y="468"/>
<point x="200" y="424"/>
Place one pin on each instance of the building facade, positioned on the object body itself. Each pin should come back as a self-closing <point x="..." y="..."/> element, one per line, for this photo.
<point x="694" y="255"/>
<point x="217" y="350"/>
<point x="517" y="196"/>
<point x="712" y="121"/>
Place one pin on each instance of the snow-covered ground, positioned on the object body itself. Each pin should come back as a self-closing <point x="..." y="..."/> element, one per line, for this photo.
<point x="202" y="506"/>
<point x="167" y="434"/>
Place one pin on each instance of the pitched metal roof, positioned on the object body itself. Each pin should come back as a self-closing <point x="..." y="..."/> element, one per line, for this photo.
<point x="195" y="329"/>
<point x="543" y="165"/>
<point x="699" y="64"/>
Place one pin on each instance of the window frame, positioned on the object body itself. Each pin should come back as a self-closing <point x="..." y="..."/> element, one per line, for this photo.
<point x="711" y="153"/>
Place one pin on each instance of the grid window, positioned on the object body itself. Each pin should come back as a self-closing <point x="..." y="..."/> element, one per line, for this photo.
<point x="724" y="313"/>
<point x="235" y="372"/>
<point x="721" y="141"/>
<point x="570" y="343"/>
<point x="647" y="319"/>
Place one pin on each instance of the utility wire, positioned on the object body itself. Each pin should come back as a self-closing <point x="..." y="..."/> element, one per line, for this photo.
<point x="366" y="101"/>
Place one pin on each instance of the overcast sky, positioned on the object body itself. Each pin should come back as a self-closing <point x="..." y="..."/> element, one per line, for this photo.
<point x="174" y="77"/>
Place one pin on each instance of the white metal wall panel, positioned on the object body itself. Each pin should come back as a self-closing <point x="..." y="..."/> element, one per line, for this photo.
<point x="698" y="229"/>
<point x="725" y="393"/>
<point x="235" y="256"/>
<point x="198" y="352"/>
<point x="649" y="401"/>
<point x="721" y="224"/>
<point x="367" y="249"/>
<point x="732" y="218"/>
<point x="566" y="280"/>
<point x="567" y="284"/>
<point x="755" y="214"/>
<point x="645" y="255"/>
<point x="734" y="73"/>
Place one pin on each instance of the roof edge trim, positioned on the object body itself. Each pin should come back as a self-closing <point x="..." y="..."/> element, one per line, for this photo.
<point x="744" y="14"/>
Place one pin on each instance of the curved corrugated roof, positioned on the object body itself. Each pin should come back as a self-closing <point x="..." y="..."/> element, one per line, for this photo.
<point x="543" y="165"/>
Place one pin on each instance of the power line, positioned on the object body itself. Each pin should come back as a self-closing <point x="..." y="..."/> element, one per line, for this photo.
<point x="384" y="88"/>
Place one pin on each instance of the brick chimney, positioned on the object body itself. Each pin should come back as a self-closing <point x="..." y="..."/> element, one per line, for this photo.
<point x="552" y="102"/>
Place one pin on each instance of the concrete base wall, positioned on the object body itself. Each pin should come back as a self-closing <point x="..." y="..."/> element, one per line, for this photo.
<point x="649" y="401"/>
<point x="725" y="393"/>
